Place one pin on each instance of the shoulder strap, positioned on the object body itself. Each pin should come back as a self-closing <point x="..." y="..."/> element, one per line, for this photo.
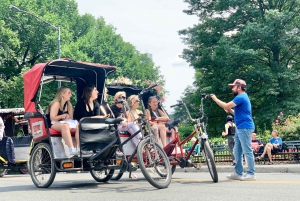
<point x="90" y="110"/>
<point x="65" y="105"/>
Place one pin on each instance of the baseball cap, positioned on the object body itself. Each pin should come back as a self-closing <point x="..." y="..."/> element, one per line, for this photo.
<point x="237" y="82"/>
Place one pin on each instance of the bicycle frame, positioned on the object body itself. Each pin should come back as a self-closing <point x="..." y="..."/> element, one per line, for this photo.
<point x="199" y="130"/>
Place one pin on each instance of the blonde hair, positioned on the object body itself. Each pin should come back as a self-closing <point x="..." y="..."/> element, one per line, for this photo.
<point x="118" y="94"/>
<point x="58" y="98"/>
<point x="130" y="100"/>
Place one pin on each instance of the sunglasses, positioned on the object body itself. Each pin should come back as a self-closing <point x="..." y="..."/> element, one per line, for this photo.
<point x="124" y="97"/>
<point x="137" y="101"/>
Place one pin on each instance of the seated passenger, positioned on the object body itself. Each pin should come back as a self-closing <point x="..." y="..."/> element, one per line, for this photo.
<point x="1" y="129"/>
<point x="88" y="106"/>
<point x="153" y="113"/>
<point x="256" y="144"/>
<point x="196" y="150"/>
<point x="272" y="147"/>
<point x="120" y="112"/>
<point x="61" y="117"/>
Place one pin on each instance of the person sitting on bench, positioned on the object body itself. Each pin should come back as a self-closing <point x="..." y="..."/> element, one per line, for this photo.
<point x="256" y="144"/>
<point x="272" y="147"/>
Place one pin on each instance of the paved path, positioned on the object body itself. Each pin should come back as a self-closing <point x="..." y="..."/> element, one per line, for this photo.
<point x="185" y="186"/>
<point x="284" y="168"/>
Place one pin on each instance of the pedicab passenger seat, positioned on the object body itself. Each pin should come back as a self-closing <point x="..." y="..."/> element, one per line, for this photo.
<point x="97" y="133"/>
<point x="57" y="133"/>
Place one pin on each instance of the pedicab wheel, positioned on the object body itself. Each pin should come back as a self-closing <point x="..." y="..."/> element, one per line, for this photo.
<point x="3" y="171"/>
<point x="173" y="169"/>
<point x="117" y="175"/>
<point x="102" y="175"/>
<point x="155" y="165"/>
<point x="208" y="156"/>
<point x="41" y="166"/>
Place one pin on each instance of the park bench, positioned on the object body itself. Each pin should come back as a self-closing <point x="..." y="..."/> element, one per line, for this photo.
<point x="290" y="152"/>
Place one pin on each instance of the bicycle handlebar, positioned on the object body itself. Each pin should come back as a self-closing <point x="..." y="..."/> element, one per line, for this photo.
<point x="178" y="104"/>
<point x="147" y="89"/>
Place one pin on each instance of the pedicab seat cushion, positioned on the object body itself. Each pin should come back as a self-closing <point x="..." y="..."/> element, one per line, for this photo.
<point x="57" y="133"/>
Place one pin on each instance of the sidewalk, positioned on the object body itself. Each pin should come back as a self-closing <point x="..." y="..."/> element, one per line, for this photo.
<point x="285" y="168"/>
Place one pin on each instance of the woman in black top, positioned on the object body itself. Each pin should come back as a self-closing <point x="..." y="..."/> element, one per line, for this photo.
<point x="59" y="112"/>
<point x="229" y="132"/>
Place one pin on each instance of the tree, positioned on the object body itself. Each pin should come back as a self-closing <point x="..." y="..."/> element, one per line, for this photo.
<point x="26" y="40"/>
<point x="257" y="41"/>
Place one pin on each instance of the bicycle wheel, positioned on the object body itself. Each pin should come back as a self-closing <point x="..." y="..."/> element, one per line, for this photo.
<point x="102" y="175"/>
<point x="117" y="175"/>
<point x="3" y="171"/>
<point x="208" y="157"/>
<point x="42" y="169"/>
<point x="154" y="165"/>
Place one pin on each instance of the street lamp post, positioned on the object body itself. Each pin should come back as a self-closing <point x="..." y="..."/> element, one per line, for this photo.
<point x="16" y="9"/>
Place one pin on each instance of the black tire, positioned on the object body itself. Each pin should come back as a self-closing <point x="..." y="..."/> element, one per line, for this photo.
<point x="3" y="171"/>
<point x="117" y="175"/>
<point x="41" y="166"/>
<point x="155" y="166"/>
<point x="209" y="158"/>
<point x="173" y="169"/>
<point x="102" y="175"/>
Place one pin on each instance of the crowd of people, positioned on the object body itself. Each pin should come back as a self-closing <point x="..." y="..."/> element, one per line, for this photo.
<point x="63" y="119"/>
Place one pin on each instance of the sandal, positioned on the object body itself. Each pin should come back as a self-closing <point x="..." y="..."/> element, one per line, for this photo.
<point x="133" y="176"/>
<point x="259" y="158"/>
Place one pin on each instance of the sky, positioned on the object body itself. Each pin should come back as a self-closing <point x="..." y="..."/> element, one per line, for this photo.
<point x="152" y="27"/>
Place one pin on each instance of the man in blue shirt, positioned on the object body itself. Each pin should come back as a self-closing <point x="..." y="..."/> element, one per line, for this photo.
<point x="272" y="147"/>
<point x="245" y="126"/>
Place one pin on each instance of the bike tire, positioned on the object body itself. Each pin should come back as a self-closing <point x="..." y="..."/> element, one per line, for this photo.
<point x="102" y="175"/>
<point x="41" y="166"/>
<point x="3" y="171"/>
<point x="209" y="158"/>
<point x="154" y="166"/>
<point x="117" y="176"/>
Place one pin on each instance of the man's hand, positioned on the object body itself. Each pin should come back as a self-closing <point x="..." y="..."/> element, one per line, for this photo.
<point x="213" y="96"/>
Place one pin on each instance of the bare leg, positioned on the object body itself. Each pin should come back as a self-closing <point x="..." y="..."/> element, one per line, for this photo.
<point x="266" y="148"/>
<point x="163" y="133"/>
<point x="76" y="135"/>
<point x="65" y="133"/>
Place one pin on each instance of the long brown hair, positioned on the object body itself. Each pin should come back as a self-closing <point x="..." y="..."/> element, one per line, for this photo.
<point x="87" y="93"/>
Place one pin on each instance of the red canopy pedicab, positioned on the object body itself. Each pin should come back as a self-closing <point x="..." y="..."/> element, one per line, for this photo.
<point x="96" y="134"/>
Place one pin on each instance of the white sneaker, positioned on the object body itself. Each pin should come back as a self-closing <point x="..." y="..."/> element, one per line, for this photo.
<point x="248" y="177"/>
<point x="73" y="151"/>
<point x="234" y="176"/>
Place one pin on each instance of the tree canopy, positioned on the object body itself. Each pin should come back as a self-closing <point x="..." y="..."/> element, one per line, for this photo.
<point x="25" y="40"/>
<point x="257" y="41"/>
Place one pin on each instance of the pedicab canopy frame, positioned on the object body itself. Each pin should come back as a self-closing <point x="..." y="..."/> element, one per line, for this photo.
<point x="82" y="73"/>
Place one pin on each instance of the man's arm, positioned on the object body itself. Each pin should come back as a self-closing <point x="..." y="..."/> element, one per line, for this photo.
<point x="222" y="104"/>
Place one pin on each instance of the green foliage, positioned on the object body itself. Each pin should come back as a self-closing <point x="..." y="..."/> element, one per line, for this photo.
<point x="257" y="41"/>
<point x="288" y="127"/>
<point x="26" y="40"/>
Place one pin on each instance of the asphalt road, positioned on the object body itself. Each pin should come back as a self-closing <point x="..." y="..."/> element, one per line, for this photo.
<point x="184" y="187"/>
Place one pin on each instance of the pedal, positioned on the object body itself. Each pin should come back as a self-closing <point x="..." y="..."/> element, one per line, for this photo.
<point x="189" y="163"/>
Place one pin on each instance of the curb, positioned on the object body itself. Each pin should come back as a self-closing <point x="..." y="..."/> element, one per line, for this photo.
<point x="291" y="168"/>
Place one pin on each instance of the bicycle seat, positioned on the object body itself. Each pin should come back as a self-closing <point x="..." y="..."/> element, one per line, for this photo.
<point x="172" y="123"/>
<point x="113" y="121"/>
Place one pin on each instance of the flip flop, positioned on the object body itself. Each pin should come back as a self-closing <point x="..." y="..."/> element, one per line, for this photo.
<point x="133" y="176"/>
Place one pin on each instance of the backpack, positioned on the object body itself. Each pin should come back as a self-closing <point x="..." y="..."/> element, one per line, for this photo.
<point x="231" y="129"/>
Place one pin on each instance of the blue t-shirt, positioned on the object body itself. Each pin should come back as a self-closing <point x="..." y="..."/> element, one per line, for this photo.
<point x="276" y="141"/>
<point x="242" y="112"/>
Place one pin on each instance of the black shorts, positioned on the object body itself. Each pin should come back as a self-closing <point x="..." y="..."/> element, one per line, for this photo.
<point x="274" y="150"/>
